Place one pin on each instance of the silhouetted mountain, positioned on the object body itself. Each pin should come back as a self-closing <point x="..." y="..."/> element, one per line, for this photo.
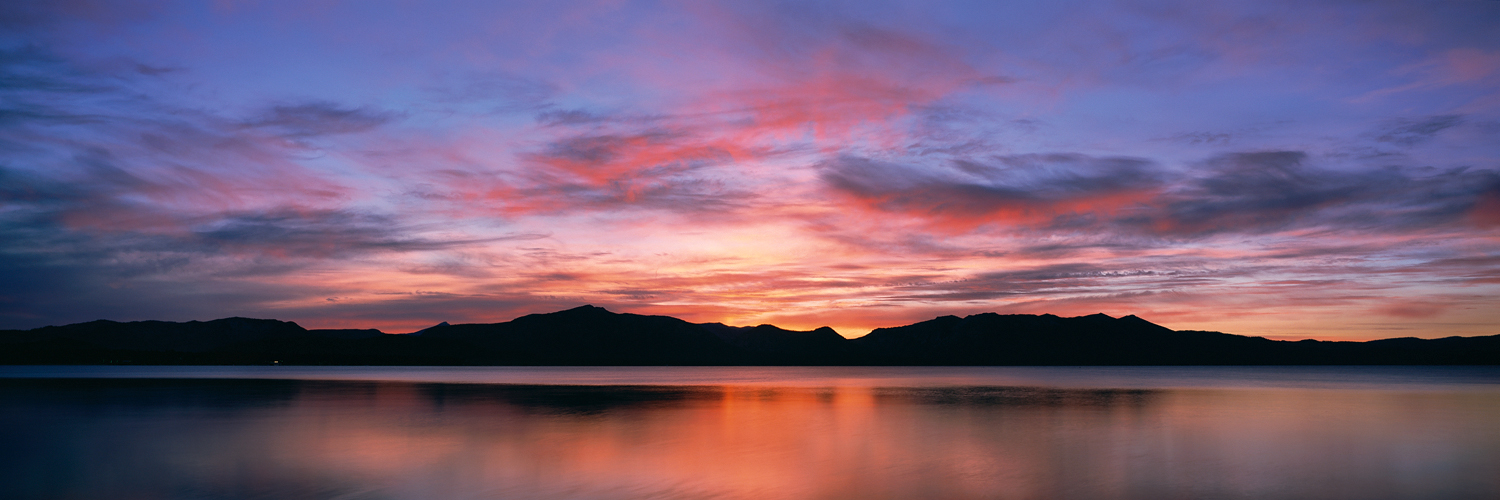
<point x="193" y="336"/>
<point x="1023" y="339"/>
<point x="424" y="330"/>
<point x="590" y="335"/>
<point x="771" y="345"/>
<point x="593" y="336"/>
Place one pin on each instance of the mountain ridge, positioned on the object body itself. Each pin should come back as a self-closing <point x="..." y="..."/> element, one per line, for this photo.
<point x="589" y="335"/>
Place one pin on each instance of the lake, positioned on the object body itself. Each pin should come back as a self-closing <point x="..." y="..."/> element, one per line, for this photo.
<point x="749" y="432"/>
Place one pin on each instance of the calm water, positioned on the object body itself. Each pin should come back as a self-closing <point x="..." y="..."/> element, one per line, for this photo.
<point x="606" y="433"/>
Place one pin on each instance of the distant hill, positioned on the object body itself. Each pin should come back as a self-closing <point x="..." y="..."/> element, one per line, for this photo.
<point x="593" y="336"/>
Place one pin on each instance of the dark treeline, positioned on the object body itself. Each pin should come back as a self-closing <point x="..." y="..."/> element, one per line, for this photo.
<point x="593" y="336"/>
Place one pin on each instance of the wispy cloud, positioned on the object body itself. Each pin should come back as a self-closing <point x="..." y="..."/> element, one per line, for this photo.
<point x="318" y="118"/>
<point x="1011" y="189"/>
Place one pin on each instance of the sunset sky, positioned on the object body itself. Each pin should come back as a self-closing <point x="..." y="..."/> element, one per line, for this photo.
<point x="1284" y="169"/>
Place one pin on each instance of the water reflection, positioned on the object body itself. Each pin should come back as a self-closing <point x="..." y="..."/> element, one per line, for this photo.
<point x="398" y="440"/>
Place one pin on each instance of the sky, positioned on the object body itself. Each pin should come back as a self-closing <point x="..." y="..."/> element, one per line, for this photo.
<point x="1291" y="170"/>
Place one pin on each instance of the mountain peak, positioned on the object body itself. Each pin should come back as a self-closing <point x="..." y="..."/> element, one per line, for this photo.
<point x="424" y="330"/>
<point x="586" y="308"/>
<point x="1137" y="320"/>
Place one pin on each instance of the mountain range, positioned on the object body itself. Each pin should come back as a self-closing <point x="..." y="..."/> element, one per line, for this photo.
<point x="591" y="335"/>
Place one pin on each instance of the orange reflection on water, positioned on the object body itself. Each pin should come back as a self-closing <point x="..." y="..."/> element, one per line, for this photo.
<point x="280" y="439"/>
<point x="726" y="442"/>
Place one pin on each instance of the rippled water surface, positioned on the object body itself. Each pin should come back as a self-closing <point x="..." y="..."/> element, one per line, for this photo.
<point x="399" y="433"/>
